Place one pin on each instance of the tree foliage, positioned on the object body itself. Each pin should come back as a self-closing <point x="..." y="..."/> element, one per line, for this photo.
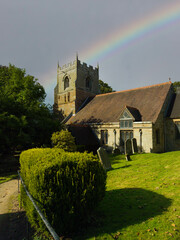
<point x="25" y="120"/>
<point x="63" y="140"/>
<point x="175" y="85"/>
<point x="104" y="87"/>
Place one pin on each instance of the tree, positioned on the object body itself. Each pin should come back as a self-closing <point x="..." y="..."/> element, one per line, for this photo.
<point x="175" y="85"/>
<point x="104" y="87"/>
<point x="64" y="140"/>
<point x="25" y="120"/>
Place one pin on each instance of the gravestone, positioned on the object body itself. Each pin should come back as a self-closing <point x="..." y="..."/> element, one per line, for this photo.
<point x="127" y="157"/>
<point x="116" y="151"/>
<point x="134" y="145"/>
<point x="128" y="147"/>
<point x="104" y="158"/>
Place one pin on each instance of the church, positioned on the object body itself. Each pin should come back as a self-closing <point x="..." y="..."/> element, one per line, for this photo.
<point x="149" y="114"/>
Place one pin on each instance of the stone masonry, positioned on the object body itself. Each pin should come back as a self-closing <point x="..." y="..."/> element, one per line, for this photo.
<point x="75" y="83"/>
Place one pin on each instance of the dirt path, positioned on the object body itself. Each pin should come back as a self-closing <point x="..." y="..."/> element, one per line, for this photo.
<point x="12" y="219"/>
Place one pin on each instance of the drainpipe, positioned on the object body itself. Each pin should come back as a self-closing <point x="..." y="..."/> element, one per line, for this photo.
<point x="140" y="133"/>
<point x="114" y="138"/>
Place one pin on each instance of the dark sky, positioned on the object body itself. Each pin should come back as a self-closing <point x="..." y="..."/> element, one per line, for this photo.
<point x="36" y="34"/>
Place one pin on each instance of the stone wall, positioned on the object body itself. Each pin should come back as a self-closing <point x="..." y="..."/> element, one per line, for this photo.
<point x="69" y="98"/>
<point x="158" y="136"/>
<point x="142" y="131"/>
<point x="111" y="139"/>
<point x="81" y="96"/>
<point x="172" y="143"/>
<point x="146" y="137"/>
<point x="66" y="102"/>
<point x="84" y="72"/>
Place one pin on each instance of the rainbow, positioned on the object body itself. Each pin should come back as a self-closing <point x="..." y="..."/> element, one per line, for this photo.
<point x="122" y="37"/>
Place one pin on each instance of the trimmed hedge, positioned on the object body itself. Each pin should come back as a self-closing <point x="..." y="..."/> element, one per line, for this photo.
<point x="66" y="186"/>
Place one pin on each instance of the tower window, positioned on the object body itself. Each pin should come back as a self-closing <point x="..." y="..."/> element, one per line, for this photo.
<point x="88" y="83"/>
<point x="68" y="97"/>
<point x="66" y="83"/>
<point x="65" y="98"/>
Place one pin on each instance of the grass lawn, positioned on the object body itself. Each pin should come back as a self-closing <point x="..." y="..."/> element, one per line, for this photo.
<point x="142" y="200"/>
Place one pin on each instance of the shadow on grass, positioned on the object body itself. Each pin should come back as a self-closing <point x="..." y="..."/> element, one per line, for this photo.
<point x="125" y="207"/>
<point x="116" y="158"/>
<point x="14" y="226"/>
<point x="125" y="166"/>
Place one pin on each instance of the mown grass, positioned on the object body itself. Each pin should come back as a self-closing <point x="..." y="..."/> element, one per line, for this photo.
<point x="142" y="200"/>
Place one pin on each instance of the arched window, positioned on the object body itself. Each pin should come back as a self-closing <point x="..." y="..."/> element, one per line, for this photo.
<point x="88" y="83"/>
<point x="104" y="137"/>
<point x="66" y="83"/>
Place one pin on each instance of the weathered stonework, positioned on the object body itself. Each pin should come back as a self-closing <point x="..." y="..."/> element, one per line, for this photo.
<point x="172" y="143"/>
<point x="75" y="83"/>
<point x="142" y="131"/>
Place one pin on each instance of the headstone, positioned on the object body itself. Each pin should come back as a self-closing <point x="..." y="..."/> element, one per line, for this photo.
<point x="128" y="147"/>
<point x="134" y="145"/>
<point x="116" y="151"/>
<point x="127" y="157"/>
<point x="104" y="158"/>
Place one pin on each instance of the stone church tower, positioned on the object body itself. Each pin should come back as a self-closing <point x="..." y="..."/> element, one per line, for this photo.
<point x="77" y="83"/>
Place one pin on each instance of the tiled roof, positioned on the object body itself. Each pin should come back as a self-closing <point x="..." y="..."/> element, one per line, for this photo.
<point x="106" y="108"/>
<point x="176" y="107"/>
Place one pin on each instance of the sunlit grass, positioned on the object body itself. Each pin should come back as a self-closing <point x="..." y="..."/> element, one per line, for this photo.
<point x="142" y="199"/>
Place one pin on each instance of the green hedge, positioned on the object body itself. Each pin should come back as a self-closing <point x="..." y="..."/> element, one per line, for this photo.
<point x="66" y="186"/>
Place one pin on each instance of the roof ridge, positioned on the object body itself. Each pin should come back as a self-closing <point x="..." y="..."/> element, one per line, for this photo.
<point x="140" y="88"/>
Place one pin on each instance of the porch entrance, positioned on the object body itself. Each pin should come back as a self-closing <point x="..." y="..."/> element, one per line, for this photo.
<point x="124" y="136"/>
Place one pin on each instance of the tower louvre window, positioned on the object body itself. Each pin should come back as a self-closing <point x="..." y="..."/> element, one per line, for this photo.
<point x="88" y="83"/>
<point x="66" y="83"/>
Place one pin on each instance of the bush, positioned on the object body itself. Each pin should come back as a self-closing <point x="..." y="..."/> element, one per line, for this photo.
<point x="64" y="140"/>
<point x="66" y="186"/>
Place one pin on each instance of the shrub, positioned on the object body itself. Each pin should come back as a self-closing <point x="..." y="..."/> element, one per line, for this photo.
<point x="64" y="140"/>
<point x="66" y="186"/>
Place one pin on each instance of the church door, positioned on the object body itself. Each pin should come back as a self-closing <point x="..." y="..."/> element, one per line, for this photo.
<point x="124" y="136"/>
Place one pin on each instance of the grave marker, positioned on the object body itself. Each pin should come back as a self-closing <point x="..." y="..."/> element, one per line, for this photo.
<point x="134" y="145"/>
<point x="128" y="147"/>
<point x="104" y="158"/>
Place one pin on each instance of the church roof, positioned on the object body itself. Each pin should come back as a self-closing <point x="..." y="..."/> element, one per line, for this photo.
<point x="145" y="102"/>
